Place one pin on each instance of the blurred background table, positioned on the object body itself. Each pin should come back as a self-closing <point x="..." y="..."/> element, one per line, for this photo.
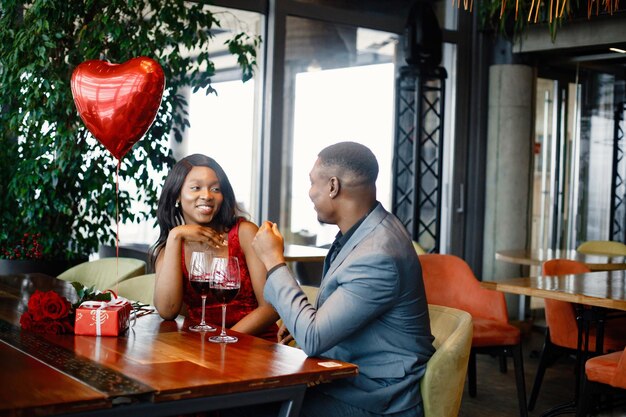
<point x="536" y="257"/>
<point x="600" y="289"/>
<point x="306" y="262"/>
<point x="301" y="253"/>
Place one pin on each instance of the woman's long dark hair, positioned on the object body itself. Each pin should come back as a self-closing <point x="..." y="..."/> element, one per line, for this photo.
<point x="170" y="216"/>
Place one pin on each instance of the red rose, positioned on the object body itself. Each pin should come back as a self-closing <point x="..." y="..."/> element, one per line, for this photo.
<point x="35" y="305"/>
<point x="68" y="323"/>
<point x="37" y="326"/>
<point x="26" y="320"/>
<point x="55" y="327"/>
<point x="54" y="306"/>
<point x="48" y="312"/>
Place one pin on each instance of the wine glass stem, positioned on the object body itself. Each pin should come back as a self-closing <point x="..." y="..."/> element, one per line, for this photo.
<point x="202" y="323"/>
<point x="223" y="320"/>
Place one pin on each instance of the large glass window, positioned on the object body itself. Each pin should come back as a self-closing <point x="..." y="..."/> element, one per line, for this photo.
<point x="222" y="127"/>
<point x="339" y="85"/>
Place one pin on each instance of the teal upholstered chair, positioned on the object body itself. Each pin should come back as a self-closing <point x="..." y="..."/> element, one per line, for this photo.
<point x="104" y="273"/>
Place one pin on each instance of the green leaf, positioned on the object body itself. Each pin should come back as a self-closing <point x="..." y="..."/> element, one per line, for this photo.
<point x="55" y="178"/>
<point x="80" y="289"/>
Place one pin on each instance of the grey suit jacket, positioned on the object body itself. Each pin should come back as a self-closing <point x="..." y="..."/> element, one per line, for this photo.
<point x="371" y="310"/>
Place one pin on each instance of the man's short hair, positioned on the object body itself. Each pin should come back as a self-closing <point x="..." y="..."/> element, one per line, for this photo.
<point x="353" y="157"/>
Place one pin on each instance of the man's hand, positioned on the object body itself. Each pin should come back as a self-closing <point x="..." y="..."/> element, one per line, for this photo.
<point x="283" y="336"/>
<point x="268" y="245"/>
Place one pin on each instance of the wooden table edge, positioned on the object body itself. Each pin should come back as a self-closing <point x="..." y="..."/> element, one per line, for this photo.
<point x="553" y="295"/>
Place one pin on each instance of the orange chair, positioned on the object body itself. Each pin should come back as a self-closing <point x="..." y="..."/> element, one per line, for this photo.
<point x="607" y="369"/>
<point x="562" y="328"/>
<point x="450" y="282"/>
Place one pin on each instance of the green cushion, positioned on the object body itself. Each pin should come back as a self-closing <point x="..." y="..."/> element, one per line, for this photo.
<point x="104" y="273"/>
<point x="139" y="288"/>
<point x="602" y="247"/>
<point x="418" y="248"/>
<point x="442" y="384"/>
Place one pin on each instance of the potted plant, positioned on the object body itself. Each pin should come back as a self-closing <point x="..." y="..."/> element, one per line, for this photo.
<point x="56" y="180"/>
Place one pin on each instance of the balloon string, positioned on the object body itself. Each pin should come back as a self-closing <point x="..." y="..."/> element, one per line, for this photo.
<point x="117" y="225"/>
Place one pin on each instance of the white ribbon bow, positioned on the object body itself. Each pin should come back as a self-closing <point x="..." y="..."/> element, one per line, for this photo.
<point x="99" y="308"/>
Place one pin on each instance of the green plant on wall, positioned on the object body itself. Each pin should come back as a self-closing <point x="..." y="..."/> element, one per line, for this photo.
<point x="55" y="179"/>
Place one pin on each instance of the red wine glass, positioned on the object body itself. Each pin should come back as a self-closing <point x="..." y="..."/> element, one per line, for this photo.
<point x="200" y="280"/>
<point x="225" y="283"/>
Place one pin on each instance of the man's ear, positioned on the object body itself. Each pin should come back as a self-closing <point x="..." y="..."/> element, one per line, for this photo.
<point x="335" y="186"/>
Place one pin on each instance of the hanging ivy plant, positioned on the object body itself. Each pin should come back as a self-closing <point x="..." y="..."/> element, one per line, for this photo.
<point x="55" y="179"/>
<point x="510" y="18"/>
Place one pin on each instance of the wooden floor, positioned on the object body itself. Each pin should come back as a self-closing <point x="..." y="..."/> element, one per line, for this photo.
<point x="497" y="395"/>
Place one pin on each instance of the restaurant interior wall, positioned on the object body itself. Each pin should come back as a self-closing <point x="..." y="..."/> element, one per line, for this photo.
<point x="584" y="65"/>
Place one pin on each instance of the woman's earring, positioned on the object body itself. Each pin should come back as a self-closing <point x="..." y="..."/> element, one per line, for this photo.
<point x="177" y="204"/>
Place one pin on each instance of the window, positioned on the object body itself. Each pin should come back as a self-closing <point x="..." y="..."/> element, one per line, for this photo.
<point x="339" y="86"/>
<point x="222" y="127"/>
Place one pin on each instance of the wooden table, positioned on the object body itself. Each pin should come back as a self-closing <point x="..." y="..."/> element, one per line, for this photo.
<point x="600" y="290"/>
<point x="157" y="368"/>
<point x="301" y="253"/>
<point x="536" y="257"/>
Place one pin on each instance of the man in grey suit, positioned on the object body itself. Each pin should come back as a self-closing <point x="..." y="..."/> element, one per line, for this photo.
<point x="371" y="308"/>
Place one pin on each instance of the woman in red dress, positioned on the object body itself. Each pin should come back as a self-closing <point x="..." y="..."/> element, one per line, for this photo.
<point x="197" y="210"/>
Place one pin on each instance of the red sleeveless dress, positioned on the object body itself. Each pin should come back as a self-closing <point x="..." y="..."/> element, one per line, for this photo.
<point x="244" y="303"/>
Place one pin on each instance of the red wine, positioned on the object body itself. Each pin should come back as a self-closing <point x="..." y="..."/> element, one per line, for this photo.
<point x="224" y="294"/>
<point x="201" y="287"/>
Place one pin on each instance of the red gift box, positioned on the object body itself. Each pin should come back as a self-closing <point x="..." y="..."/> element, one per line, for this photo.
<point x="102" y="318"/>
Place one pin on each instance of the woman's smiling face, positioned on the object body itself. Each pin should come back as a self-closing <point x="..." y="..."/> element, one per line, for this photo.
<point x="200" y="196"/>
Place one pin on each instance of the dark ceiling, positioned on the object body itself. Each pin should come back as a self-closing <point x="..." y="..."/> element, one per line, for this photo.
<point x="585" y="43"/>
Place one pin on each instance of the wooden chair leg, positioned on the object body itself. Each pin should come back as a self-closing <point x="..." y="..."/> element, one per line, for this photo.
<point x="518" y="362"/>
<point x="471" y="373"/>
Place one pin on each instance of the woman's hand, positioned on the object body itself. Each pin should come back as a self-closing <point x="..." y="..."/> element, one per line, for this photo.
<point x="201" y="234"/>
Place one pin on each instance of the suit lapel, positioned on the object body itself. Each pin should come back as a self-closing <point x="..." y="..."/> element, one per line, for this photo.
<point x="365" y="229"/>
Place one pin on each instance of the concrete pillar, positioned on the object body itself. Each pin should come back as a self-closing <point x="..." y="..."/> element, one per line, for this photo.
<point x="509" y="164"/>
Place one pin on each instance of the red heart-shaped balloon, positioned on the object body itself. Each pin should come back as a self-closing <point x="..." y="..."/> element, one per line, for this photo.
<point x="118" y="102"/>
